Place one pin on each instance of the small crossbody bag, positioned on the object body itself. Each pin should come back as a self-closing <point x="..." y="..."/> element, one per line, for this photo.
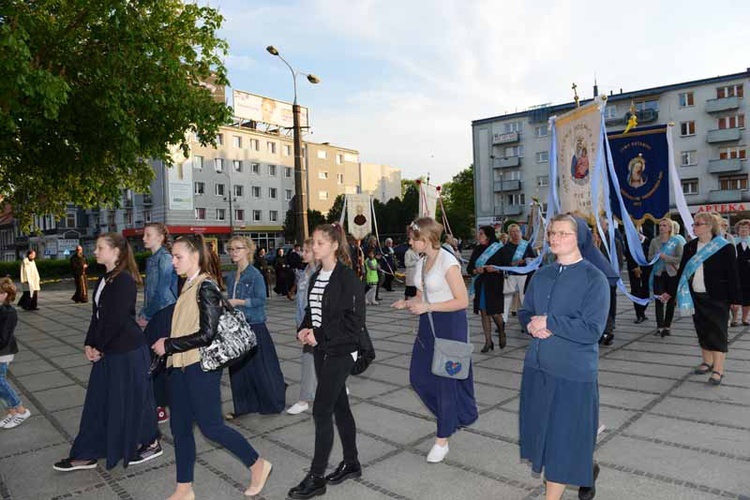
<point x="450" y="358"/>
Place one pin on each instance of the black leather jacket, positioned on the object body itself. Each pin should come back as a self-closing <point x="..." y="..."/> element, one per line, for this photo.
<point x="210" y="309"/>
<point x="8" y="322"/>
<point x="343" y="312"/>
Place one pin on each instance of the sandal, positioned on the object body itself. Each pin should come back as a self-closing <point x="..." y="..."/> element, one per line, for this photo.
<point x="703" y="368"/>
<point x="715" y="381"/>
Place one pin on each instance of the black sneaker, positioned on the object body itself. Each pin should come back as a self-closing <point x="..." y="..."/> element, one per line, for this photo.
<point x="147" y="452"/>
<point x="68" y="465"/>
<point x="589" y="492"/>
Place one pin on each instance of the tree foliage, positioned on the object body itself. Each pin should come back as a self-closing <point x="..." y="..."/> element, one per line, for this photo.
<point x="458" y="199"/>
<point x="91" y="90"/>
<point x="314" y="219"/>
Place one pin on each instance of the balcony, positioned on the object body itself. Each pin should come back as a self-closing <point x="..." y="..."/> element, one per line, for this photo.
<point x="725" y="196"/>
<point x="506" y="210"/>
<point x="724" y="166"/>
<point x="507" y="186"/>
<point x="512" y="161"/>
<point x="724" y="135"/>
<point x="719" y="105"/>
<point x="505" y="138"/>
<point x="148" y="199"/>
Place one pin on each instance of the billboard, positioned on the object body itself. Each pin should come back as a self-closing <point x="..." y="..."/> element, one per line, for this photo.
<point x="266" y="110"/>
<point x="180" y="181"/>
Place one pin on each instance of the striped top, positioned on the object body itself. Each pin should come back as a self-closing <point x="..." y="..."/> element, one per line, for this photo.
<point x="316" y="297"/>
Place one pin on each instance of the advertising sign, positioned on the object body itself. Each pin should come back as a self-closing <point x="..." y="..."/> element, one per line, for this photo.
<point x="266" y="110"/>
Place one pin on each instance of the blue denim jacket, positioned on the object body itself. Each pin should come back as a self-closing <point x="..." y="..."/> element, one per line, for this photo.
<point x="252" y="289"/>
<point x="161" y="284"/>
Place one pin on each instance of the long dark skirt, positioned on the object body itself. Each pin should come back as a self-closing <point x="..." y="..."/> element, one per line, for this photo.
<point x="257" y="382"/>
<point x="711" y="319"/>
<point x="451" y="401"/>
<point x="119" y="412"/>
<point x="159" y="326"/>
<point x="558" y="421"/>
<point x="82" y="294"/>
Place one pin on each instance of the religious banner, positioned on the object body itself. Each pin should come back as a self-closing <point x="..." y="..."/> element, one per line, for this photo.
<point x="428" y="196"/>
<point x="641" y="161"/>
<point x="359" y="216"/>
<point x="578" y="136"/>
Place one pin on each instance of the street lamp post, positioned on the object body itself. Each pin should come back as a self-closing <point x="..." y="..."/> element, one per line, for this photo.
<point x="300" y="188"/>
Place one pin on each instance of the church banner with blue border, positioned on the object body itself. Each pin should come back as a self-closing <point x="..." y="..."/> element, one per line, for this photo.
<point x="641" y="161"/>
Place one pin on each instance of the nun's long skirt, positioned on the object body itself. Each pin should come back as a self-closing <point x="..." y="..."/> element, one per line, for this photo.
<point x="451" y="401"/>
<point x="558" y="422"/>
<point x="119" y="413"/>
<point x="257" y="382"/>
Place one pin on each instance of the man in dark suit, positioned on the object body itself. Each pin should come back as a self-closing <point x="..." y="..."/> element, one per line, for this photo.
<point x="638" y="276"/>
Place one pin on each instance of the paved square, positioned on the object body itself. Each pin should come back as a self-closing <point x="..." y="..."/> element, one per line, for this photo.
<point x="669" y="435"/>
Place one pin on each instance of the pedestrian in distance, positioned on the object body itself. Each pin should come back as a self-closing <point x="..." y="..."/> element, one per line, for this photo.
<point x="487" y="285"/>
<point x="668" y="245"/>
<point x="194" y="394"/>
<point x="411" y="258"/>
<point x="17" y="412"/>
<point x="79" y="265"/>
<point x="118" y="421"/>
<point x="372" y="277"/>
<point x="743" y="266"/>
<point x="30" y="277"/>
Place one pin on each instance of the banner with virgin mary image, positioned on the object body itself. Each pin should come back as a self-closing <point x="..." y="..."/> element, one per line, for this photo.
<point x="641" y="161"/>
<point x="359" y="219"/>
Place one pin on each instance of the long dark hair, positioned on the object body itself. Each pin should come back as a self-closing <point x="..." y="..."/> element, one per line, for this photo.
<point x="164" y="232"/>
<point x="196" y="244"/>
<point x="335" y="233"/>
<point x="489" y="232"/>
<point x="125" y="260"/>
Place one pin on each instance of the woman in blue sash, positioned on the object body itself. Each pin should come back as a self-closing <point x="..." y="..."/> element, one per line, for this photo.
<point x="515" y="253"/>
<point x="707" y="283"/>
<point x="668" y="246"/>
<point x="743" y="265"/>
<point x="487" y="285"/>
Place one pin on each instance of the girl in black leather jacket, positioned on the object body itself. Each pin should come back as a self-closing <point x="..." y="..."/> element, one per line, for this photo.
<point x="194" y="395"/>
<point x="334" y="317"/>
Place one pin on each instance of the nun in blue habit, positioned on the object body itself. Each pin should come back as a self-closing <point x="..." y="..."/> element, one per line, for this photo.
<point x="565" y="311"/>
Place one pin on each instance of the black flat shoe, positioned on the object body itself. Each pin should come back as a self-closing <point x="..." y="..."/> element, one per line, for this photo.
<point x="486" y="348"/>
<point x="343" y="472"/>
<point x="665" y="332"/>
<point x="639" y="319"/>
<point x="311" y="486"/>
<point x="589" y="492"/>
<point x="607" y="339"/>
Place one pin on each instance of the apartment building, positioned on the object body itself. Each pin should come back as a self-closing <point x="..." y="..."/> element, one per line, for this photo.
<point x="383" y="182"/>
<point x="511" y="152"/>
<point x="331" y="171"/>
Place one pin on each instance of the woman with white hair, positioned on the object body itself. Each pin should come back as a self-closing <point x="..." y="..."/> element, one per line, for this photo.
<point x="668" y="246"/>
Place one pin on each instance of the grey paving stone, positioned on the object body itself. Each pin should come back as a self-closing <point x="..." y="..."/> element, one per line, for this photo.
<point x="628" y="399"/>
<point x="627" y="367"/>
<point x="61" y="397"/>
<point x="405" y="399"/>
<point x="709" y="412"/>
<point x="37" y="433"/>
<point x="20" y="368"/>
<point x="401" y="429"/>
<point x="722" y="393"/>
<point x="43" y="381"/>
<point x="642" y="382"/>
<point x="617" y="485"/>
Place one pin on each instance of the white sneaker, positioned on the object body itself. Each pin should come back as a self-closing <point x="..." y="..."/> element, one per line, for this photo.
<point x="298" y="408"/>
<point x="437" y="453"/>
<point x="6" y="420"/>
<point x="18" y="419"/>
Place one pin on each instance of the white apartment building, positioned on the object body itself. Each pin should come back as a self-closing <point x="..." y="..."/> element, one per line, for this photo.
<point x="383" y="182"/>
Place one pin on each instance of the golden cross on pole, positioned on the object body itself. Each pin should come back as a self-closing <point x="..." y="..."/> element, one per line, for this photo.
<point x="575" y="95"/>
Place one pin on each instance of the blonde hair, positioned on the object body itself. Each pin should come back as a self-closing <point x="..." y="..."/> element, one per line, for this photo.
<point x="249" y="244"/>
<point x="743" y="222"/>
<point x="7" y="286"/>
<point x="712" y="219"/>
<point x="426" y="228"/>
<point x="670" y="222"/>
<point x="675" y="227"/>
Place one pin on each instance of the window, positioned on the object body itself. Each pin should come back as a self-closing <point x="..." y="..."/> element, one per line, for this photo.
<point x="512" y="127"/>
<point x="71" y="219"/>
<point x="652" y="105"/>
<point x="239" y="215"/>
<point x="322" y="154"/>
<point x="221" y="214"/>
<point x="339" y="159"/>
<point x="256" y="216"/>
<point x="198" y="162"/>
<point x="255" y="168"/>
<point x="200" y="188"/>
<point x="272" y="193"/>
<point x="219" y="189"/>
<point x="272" y="170"/>
<point x="513" y="175"/>
<point x="129" y="218"/>
<point x="200" y="214"/>
<point x="542" y="180"/>
<point x="517" y="199"/>
<point x="219" y="139"/>
<point x="687" y="128"/>
<point x="287" y="194"/>
<point x="542" y="157"/>
<point x="273" y="215"/>
<point x="322" y="195"/>
<point x="271" y="147"/>
<point x="239" y="190"/>
<point x="511" y="151"/>
<point x="732" y="152"/>
<point x="729" y="91"/>
<point x="287" y="150"/>
<point x="730" y="182"/>
<point x="219" y="164"/>
<point x="322" y="174"/>
<point x="688" y="158"/>
<point x="610" y="112"/>
<point x="736" y="121"/>
<point x="147" y="216"/>
<point x="340" y="178"/>
<point x="690" y="186"/>
<point x="543" y="131"/>
<point x="686" y="99"/>
<point x="255" y="144"/>
<point x="256" y="192"/>
<point x="287" y="172"/>
<point x="237" y="165"/>
<point x="237" y="141"/>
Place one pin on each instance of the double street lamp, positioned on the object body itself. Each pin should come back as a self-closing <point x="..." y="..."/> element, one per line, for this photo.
<point x="300" y="188"/>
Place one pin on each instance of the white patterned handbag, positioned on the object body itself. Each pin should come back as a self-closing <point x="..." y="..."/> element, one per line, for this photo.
<point x="234" y="339"/>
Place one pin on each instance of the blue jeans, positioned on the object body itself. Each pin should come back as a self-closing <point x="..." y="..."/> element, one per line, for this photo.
<point x="7" y="394"/>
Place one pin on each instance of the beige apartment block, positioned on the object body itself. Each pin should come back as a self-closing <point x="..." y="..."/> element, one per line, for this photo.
<point x="331" y="171"/>
<point x="383" y="182"/>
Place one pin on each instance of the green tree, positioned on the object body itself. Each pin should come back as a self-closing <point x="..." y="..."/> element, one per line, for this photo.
<point x="314" y="219"/>
<point x="458" y="199"/>
<point x="90" y="91"/>
<point x="334" y="214"/>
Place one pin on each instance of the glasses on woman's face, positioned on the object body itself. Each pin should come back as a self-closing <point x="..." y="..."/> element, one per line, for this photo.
<point x="236" y="249"/>
<point x="695" y="224"/>
<point x="559" y="234"/>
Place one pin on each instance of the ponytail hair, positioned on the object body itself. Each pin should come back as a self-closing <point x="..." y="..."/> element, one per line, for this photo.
<point x="125" y="260"/>
<point x="335" y="233"/>
<point x="164" y="232"/>
<point x="196" y="244"/>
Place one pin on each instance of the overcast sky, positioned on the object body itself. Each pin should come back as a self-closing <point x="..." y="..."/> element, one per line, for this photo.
<point x="401" y="81"/>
